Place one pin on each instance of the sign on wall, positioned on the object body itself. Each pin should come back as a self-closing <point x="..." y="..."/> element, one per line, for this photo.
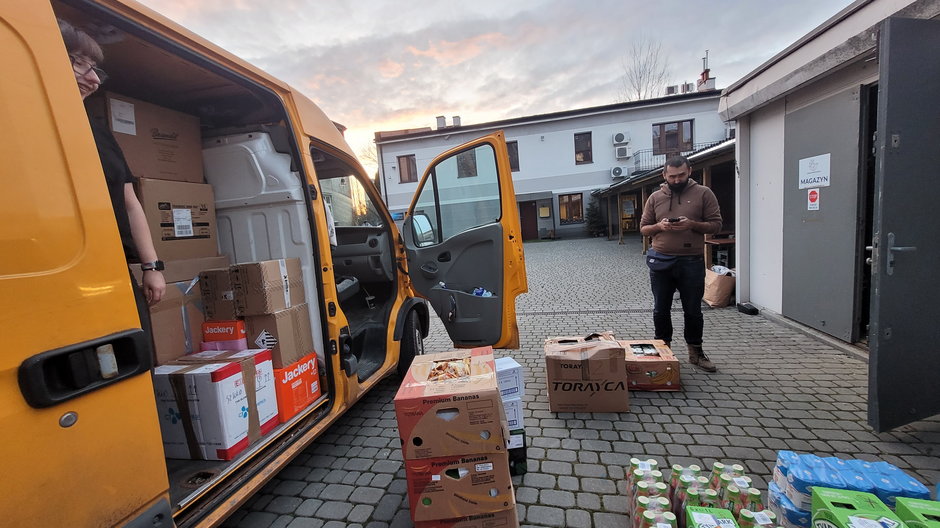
<point x="814" y="172"/>
<point x="812" y="200"/>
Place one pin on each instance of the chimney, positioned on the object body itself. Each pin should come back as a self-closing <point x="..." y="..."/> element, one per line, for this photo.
<point x="441" y="122"/>
<point x="705" y="80"/>
<point x="456" y="121"/>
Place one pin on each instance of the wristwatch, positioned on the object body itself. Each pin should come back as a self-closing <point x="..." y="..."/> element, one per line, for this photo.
<point x="156" y="265"/>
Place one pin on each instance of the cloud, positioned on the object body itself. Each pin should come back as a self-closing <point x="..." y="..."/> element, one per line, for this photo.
<point x="448" y="53"/>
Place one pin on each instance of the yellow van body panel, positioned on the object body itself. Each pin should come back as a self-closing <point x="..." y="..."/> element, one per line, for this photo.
<point x="63" y="280"/>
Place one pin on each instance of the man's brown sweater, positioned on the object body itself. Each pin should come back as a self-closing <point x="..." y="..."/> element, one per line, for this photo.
<point x="695" y="202"/>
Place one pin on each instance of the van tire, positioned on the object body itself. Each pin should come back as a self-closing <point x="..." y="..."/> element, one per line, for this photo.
<point x="412" y="343"/>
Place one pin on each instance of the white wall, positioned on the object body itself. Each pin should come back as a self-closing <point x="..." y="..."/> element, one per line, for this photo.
<point x="546" y="149"/>
<point x="765" y="208"/>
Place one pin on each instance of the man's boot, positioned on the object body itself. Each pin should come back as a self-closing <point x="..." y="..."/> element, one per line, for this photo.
<point x="698" y="358"/>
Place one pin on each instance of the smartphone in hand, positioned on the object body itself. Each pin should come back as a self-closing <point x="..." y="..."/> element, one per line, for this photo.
<point x="673" y="219"/>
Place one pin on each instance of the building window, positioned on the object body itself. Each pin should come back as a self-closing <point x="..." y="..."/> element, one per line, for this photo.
<point x="672" y="138"/>
<point x="513" y="155"/>
<point x="582" y="148"/>
<point x="569" y="207"/>
<point x="467" y="164"/>
<point x="407" y="169"/>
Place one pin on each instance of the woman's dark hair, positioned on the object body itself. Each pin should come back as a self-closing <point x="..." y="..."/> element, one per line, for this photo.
<point x="77" y="42"/>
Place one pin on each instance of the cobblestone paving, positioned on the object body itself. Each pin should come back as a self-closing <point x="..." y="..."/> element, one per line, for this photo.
<point x="776" y="389"/>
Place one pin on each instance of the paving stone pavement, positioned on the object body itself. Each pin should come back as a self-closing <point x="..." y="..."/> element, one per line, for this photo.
<point x="776" y="388"/>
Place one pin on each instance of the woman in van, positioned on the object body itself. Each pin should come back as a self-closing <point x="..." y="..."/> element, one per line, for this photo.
<point x="85" y="55"/>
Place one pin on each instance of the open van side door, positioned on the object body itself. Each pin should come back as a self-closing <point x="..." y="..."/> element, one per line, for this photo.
<point x="464" y="243"/>
<point x="81" y="447"/>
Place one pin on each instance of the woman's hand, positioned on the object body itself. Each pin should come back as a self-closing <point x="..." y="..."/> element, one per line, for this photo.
<point x="154" y="286"/>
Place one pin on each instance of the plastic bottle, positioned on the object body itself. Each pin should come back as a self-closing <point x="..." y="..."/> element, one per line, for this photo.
<point x="482" y="292"/>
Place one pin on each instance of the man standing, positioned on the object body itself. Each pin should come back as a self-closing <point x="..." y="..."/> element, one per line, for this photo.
<point x="677" y="217"/>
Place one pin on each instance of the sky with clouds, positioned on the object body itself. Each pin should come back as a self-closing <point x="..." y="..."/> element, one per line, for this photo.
<point x="381" y="65"/>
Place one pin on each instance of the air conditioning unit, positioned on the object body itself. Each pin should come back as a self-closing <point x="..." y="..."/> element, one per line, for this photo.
<point x="623" y="151"/>
<point x="687" y="87"/>
<point x="619" y="138"/>
<point x="619" y="172"/>
<point x="672" y="90"/>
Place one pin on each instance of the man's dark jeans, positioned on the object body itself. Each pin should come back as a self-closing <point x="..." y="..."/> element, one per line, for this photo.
<point x="688" y="276"/>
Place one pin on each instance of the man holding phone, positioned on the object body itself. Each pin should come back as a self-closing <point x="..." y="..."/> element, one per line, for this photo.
<point x="677" y="217"/>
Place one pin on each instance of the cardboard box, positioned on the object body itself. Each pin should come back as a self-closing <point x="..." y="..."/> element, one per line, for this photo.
<point x="267" y="287"/>
<point x="586" y="375"/>
<point x="204" y="406"/>
<point x="850" y="509"/>
<point x="184" y="270"/>
<point x="513" y="410"/>
<point x="918" y="513"/>
<point x="500" y="519"/>
<point x="458" y="486"/>
<point x="702" y="517"/>
<point x="157" y="142"/>
<point x="177" y="322"/>
<point x="181" y="217"/>
<point x="651" y="366"/>
<point x="518" y="457"/>
<point x="224" y="335"/>
<point x="509" y="378"/>
<point x="286" y="334"/>
<point x="460" y="415"/>
<point x="218" y="294"/>
<point x="297" y="386"/>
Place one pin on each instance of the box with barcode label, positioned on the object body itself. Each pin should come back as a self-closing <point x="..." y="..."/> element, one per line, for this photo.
<point x="458" y="486"/>
<point x="836" y="508"/>
<point x="268" y="286"/>
<point x="702" y="517"/>
<point x="181" y="217"/>
<point x="509" y="378"/>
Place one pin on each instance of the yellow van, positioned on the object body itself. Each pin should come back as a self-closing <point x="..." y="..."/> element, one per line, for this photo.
<point x="80" y="449"/>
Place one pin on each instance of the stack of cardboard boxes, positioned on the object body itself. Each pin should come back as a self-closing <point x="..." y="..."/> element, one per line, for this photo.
<point x="262" y="305"/>
<point x="512" y="389"/>
<point x="453" y="431"/>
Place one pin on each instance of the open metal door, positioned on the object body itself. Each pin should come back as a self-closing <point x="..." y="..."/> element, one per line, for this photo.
<point x="464" y="243"/>
<point x="904" y="334"/>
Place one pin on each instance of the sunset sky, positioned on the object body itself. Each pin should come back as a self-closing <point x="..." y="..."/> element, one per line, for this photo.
<point x="381" y="65"/>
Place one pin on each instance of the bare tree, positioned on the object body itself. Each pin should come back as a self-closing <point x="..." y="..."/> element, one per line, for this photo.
<point x="645" y="70"/>
<point x="368" y="156"/>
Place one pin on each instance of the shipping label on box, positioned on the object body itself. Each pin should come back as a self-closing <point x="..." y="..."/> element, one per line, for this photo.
<point x="218" y="294"/>
<point x="286" y="333"/>
<point x="509" y="378"/>
<point x="651" y="366"/>
<point x="513" y="409"/>
<point x="297" y="386"/>
<point x="501" y="519"/>
<point x="177" y="322"/>
<point x="586" y="374"/>
<point x="835" y="508"/>
<point x="458" y="486"/>
<point x="156" y="142"/>
<point x="267" y="287"/>
<point x="181" y="217"/>
<point x="918" y="513"/>
<point x="449" y="404"/>
<point x="214" y="405"/>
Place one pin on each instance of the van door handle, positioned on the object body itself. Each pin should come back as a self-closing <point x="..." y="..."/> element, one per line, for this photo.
<point x="444" y="257"/>
<point x="429" y="270"/>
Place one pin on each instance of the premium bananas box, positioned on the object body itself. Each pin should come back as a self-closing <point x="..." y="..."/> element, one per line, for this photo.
<point x="449" y="404"/>
<point x="458" y="486"/>
<point x="651" y="366"/>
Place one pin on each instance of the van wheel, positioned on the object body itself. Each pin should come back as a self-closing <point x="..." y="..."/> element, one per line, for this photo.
<point x="412" y="344"/>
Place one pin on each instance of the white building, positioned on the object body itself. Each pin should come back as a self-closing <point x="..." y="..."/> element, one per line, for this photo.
<point x="836" y="193"/>
<point x="559" y="158"/>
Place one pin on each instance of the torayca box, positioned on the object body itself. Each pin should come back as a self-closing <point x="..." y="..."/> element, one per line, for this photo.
<point x="449" y="404"/>
<point x="267" y="287"/>
<point x="458" y="486"/>
<point x="586" y="374"/>
<point x="500" y="519"/>
<point x="651" y="366"/>
<point x="213" y="405"/>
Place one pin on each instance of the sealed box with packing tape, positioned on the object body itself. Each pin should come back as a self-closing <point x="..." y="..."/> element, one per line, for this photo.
<point x="586" y="374"/>
<point x="267" y="287"/>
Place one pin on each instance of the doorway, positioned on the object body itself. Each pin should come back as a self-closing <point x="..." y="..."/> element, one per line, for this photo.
<point x="868" y="128"/>
<point x="529" y="218"/>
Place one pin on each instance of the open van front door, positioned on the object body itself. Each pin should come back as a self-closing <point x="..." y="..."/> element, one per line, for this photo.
<point x="464" y="243"/>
